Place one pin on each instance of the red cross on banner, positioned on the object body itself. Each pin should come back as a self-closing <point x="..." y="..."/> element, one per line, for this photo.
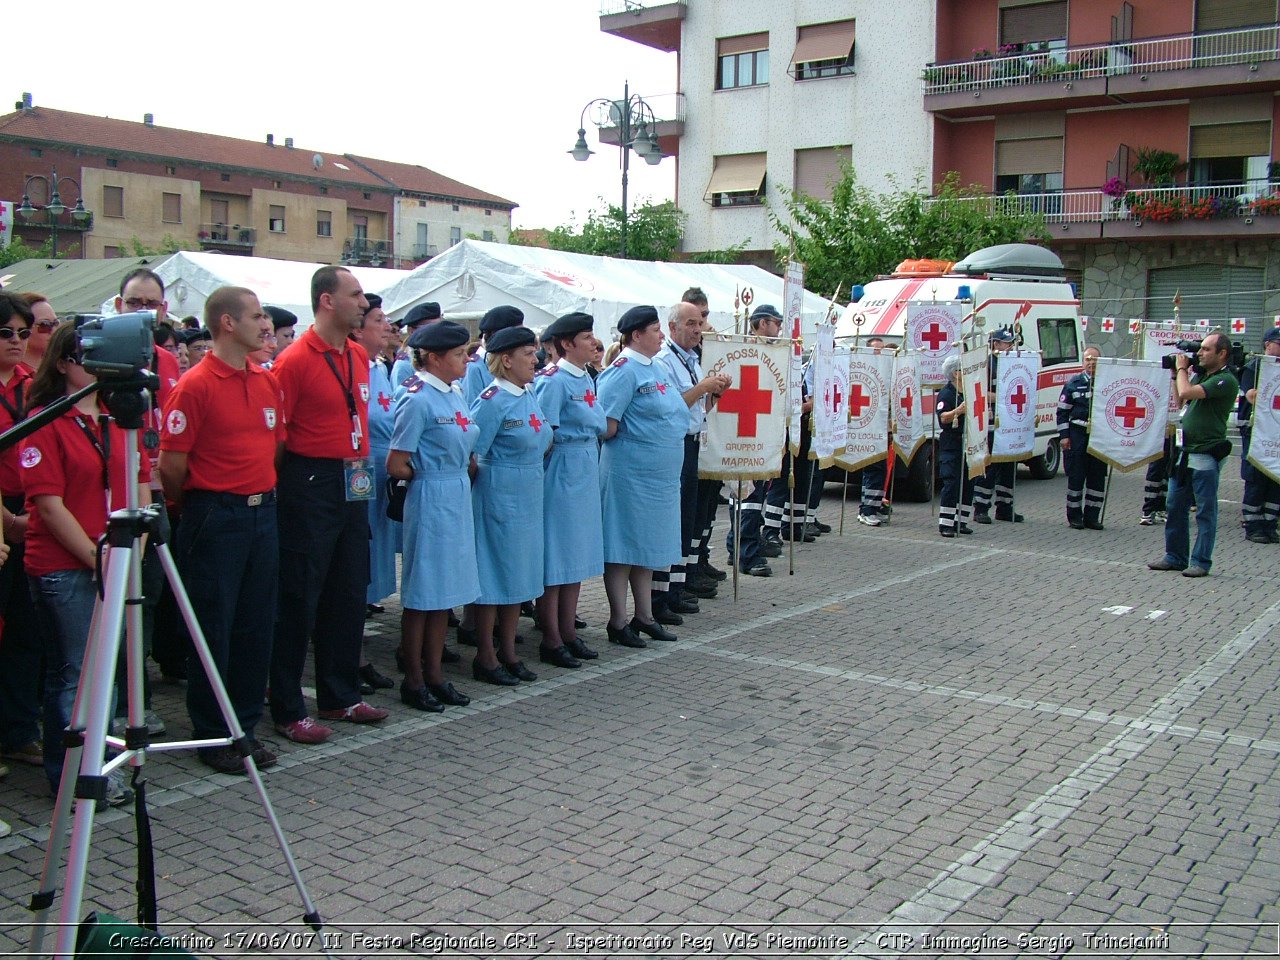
<point x="1108" y="325"/>
<point x="836" y="397"/>
<point x="979" y="407"/>
<point x="1275" y="402"/>
<point x="858" y="400"/>
<point x="1130" y="412"/>
<point x="907" y="402"/>
<point x="935" y="337"/>
<point x="460" y="420"/>
<point x="590" y="398"/>
<point x="748" y="401"/>
<point x="1018" y="399"/>
<point x="384" y="401"/>
<point x="535" y="423"/>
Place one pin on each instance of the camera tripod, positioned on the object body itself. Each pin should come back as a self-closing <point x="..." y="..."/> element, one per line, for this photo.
<point x="119" y="603"/>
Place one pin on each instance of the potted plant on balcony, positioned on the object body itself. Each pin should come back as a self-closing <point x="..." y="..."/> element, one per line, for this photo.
<point x="1117" y="190"/>
<point x="1158" y="168"/>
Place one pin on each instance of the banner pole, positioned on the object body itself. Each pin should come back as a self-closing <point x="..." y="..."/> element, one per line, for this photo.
<point x="844" y="496"/>
<point x="1106" y="490"/>
<point x="791" y="504"/>
<point x="933" y="457"/>
<point x="737" y="541"/>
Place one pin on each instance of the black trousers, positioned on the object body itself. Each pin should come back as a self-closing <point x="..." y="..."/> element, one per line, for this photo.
<point x="708" y="502"/>
<point x="1086" y="479"/>
<point x="1155" y="491"/>
<point x="670" y="580"/>
<point x="21" y="653"/>
<point x="1261" y="507"/>
<point x="324" y="571"/>
<point x="956" y="506"/>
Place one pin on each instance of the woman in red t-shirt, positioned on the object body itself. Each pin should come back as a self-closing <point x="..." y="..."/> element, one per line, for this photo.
<point x="66" y="466"/>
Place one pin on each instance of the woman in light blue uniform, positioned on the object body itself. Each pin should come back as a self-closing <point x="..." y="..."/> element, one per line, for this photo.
<point x="479" y="375"/>
<point x="574" y="536"/>
<point x="383" y="533"/>
<point x="431" y="447"/>
<point x="640" y="475"/>
<point x="512" y="436"/>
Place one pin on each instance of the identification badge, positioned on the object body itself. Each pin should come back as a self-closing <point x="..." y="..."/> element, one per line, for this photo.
<point x="150" y="439"/>
<point x="1178" y="438"/>
<point x="358" y="474"/>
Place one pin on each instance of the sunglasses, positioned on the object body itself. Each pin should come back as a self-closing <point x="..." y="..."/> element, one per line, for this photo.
<point x="8" y="333"/>
<point x="47" y="325"/>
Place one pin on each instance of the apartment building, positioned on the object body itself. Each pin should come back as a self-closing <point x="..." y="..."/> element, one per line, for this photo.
<point x="777" y="96"/>
<point x="153" y="184"/>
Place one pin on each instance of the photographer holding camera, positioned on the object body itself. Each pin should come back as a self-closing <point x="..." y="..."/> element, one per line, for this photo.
<point x="1209" y="396"/>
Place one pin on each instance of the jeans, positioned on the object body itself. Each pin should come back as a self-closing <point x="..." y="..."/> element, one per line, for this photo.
<point x="1200" y="481"/>
<point x="64" y="610"/>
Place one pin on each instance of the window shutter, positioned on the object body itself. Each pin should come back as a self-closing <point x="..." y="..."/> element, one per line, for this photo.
<point x="1031" y="24"/>
<point x="1232" y="14"/>
<point x="113" y="201"/>
<point x="747" y="43"/>
<point x="818" y="170"/>
<point x="1231" y="140"/>
<point x="172" y="207"/>
<point x="824" y="41"/>
<point x="737" y="173"/>
<point x="1029" y="156"/>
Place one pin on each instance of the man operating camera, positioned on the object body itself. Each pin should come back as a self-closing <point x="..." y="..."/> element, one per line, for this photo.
<point x="1209" y="396"/>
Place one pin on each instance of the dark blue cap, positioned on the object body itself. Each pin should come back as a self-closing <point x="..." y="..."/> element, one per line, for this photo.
<point x="510" y="338"/>
<point x="569" y="326"/>
<point x="420" y="313"/>
<point x="375" y="301"/>
<point x="501" y="318"/>
<point x="439" y="337"/>
<point x="637" y="318"/>
<point x="194" y="336"/>
<point x="766" y="310"/>
<point x="280" y="317"/>
<point x="1003" y="335"/>
<point x="1272" y="335"/>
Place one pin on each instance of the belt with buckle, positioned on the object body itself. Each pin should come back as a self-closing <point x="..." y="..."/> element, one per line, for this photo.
<point x="235" y="499"/>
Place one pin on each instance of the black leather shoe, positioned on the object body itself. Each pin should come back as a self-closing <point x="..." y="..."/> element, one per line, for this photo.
<point x="711" y="573"/>
<point x="668" y="616"/>
<point x="580" y="649"/>
<point x="370" y="675"/>
<point x="1094" y="525"/>
<point x="466" y="637"/>
<point x="770" y="548"/>
<point x="1075" y="524"/>
<point x="801" y="535"/>
<point x="654" y="630"/>
<point x="623" y="636"/>
<point x="449" y="656"/>
<point x="579" y="623"/>
<point x="822" y="527"/>
<point x="683" y="605"/>
<point x="966" y="529"/>
<point x="947" y="532"/>
<point x="449" y="695"/>
<point x="373" y="609"/>
<point x="520" y="671"/>
<point x="759" y="569"/>
<point x="526" y="610"/>
<point x="497" y="676"/>
<point x="699" y="588"/>
<point x="1010" y="517"/>
<point x="420" y="699"/>
<point x="559" y="657"/>
<point x="981" y="518"/>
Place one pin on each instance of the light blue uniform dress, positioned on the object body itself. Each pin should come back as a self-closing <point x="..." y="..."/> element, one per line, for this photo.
<point x="511" y="438"/>
<point x="574" y="534"/>
<point x="640" y="465"/>
<point x="384" y="534"/>
<point x="402" y="370"/>
<point x="477" y="379"/>
<point x="432" y="422"/>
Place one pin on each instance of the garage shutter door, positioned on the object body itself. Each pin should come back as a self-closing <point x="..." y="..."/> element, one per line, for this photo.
<point x="1211" y="292"/>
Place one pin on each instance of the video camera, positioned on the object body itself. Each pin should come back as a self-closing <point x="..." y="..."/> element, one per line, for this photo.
<point x="1189" y="348"/>
<point x="120" y="347"/>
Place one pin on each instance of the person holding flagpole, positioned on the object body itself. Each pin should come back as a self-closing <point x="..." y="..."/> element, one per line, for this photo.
<point x="956" y="505"/>
<point x="1086" y="474"/>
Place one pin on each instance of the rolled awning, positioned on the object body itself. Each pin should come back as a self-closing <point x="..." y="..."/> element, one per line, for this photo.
<point x="739" y="173"/>
<point x="824" y="41"/>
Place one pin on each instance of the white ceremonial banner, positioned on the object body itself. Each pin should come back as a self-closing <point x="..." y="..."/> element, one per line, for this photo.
<point x="869" y="401"/>
<point x="795" y="399"/>
<point x="1159" y="337"/>
<point x="746" y="429"/>
<point x="931" y="329"/>
<point x="1017" y="374"/>
<point x="1264" y="447"/>
<point x="828" y="403"/>
<point x="840" y="398"/>
<point x="793" y="302"/>
<point x="793" y="299"/>
<point x="908" y="412"/>
<point x="978" y="412"/>
<point x="1129" y="413"/>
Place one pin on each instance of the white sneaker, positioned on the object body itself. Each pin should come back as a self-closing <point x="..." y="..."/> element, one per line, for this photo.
<point x="1148" y="519"/>
<point x="871" y="520"/>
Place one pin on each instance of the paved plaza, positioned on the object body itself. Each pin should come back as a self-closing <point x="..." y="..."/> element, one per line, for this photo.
<point x="906" y="743"/>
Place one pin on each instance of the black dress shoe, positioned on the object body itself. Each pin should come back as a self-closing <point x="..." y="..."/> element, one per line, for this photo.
<point x="373" y="609"/>
<point x="711" y="573"/>
<point x="449" y="656"/>
<point x="449" y="695"/>
<point x="664" y="614"/>
<point x="420" y="699"/>
<point x="497" y="676"/>
<point x="520" y="671"/>
<point x="966" y="529"/>
<point x="526" y="610"/>
<point x="580" y="649"/>
<point x="623" y="636"/>
<point x="579" y="623"/>
<point x="1094" y="525"/>
<point x="370" y="675"/>
<point x="699" y="588"/>
<point x="654" y="630"/>
<point x="770" y="548"/>
<point x="1075" y="524"/>
<point x="466" y="637"/>
<point x="822" y="527"/>
<point x="559" y="657"/>
<point x="981" y="518"/>
<point x="946" y="532"/>
<point x="683" y="605"/>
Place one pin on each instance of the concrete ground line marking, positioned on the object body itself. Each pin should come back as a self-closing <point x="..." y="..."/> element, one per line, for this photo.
<point x="984" y="862"/>
<point x="203" y="786"/>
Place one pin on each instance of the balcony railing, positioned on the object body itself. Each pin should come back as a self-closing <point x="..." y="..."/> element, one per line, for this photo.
<point x="1025" y="66"/>
<point x="610" y="7"/>
<point x="421" y="251"/>
<point x="219" y="234"/>
<point x="362" y="250"/>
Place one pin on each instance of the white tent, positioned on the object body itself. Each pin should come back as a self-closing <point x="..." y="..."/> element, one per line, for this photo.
<point x="190" y="277"/>
<point x="473" y="276"/>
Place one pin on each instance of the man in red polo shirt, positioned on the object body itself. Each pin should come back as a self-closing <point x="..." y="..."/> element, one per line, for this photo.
<point x="326" y="481"/>
<point x="222" y="426"/>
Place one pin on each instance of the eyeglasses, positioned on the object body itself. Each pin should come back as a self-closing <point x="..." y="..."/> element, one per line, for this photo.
<point x="77" y="358"/>
<point x="47" y="325"/>
<point x="137" y="303"/>
<point x="8" y="333"/>
<point x="705" y="314"/>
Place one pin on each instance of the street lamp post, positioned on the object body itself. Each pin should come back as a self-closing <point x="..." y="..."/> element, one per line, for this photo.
<point x="55" y="208"/>
<point x="637" y="130"/>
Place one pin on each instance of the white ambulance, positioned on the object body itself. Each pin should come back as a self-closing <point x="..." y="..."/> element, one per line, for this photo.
<point x="1014" y="285"/>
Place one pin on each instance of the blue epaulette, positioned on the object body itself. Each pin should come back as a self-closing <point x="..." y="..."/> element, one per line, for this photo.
<point x="410" y="380"/>
<point x="490" y="393"/>
<point x="413" y="384"/>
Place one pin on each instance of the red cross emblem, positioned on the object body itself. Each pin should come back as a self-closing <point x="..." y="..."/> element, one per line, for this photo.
<point x="857" y="400"/>
<point x="384" y="401"/>
<point x="836" y="397"/>
<point x="748" y="401"/>
<point x="1108" y="324"/>
<point x="590" y="398"/>
<point x="535" y="423"/>
<point x="1275" y="402"/>
<point x="935" y="337"/>
<point x="1237" y="325"/>
<point x="460" y="420"/>
<point x="1018" y="399"/>
<point x="1130" y="412"/>
<point x="907" y="402"/>
<point x="979" y="406"/>
<point x="662" y="388"/>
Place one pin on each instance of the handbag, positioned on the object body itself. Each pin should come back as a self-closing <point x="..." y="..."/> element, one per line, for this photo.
<point x="397" y="492"/>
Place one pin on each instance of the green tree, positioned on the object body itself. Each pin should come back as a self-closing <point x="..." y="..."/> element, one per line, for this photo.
<point x="859" y="234"/>
<point x="654" y="231"/>
<point x="18" y="250"/>
<point x="169" y="244"/>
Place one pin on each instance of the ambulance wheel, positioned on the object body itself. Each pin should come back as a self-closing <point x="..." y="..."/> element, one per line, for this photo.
<point x="1045" y="467"/>
<point x="913" y="484"/>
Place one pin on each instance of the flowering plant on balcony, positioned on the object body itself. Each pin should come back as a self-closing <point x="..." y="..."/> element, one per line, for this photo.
<point x="1115" y="188"/>
<point x="1160" y="209"/>
<point x="981" y="53"/>
<point x="1265" y="206"/>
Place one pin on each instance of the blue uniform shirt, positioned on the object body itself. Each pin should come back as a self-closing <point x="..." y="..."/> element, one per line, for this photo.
<point x="1073" y="404"/>
<point x="381" y="395"/>
<point x="477" y="378"/>
<point x="685" y="371"/>
<point x="641" y="396"/>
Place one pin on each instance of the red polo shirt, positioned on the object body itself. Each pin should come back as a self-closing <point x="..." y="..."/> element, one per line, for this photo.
<point x="61" y="461"/>
<point x="13" y="400"/>
<point x="228" y="422"/>
<point x="315" y="397"/>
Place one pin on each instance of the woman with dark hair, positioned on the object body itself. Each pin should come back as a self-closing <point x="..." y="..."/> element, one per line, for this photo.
<point x="640" y="475"/>
<point x="430" y="447"/>
<point x="511" y="439"/>
<point x="66" y="468"/>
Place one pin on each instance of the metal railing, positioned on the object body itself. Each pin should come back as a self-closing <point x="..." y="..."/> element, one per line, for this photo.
<point x="1026" y="66"/>
<point x="234" y="235"/>
<point x="1161" y="204"/>
<point x="421" y="251"/>
<point x="610" y="7"/>
<point x="362" y="249"/>
<point x="667" y="107"/>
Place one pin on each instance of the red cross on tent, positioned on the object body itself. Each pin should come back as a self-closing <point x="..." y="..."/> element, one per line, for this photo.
<point x="858" y="400"/>
<point x="384" y="401"/>
<point x="979" y="406"/>
<point x="535" y="423"/>
<point x="1108" y="324"/>
<point x="1130" y="412"/>
<point x="748" y="401"/>
<point x="460" y="420"/>
<point x="935" y="337"/>
<point x="907" y="402"/>
<point x="1237" y="325"/>
<point x="1018" y="399"/>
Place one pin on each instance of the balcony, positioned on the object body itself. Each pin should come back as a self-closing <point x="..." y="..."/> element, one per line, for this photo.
<point x="1222" y="210"/>
<point x="669" y="108"/>
<point x="363" y="252"/>
<point x="1229" y="61"/>
<point x="233" y="239"/>
<point x="423" y="251"/>
<point x="654" y="23"/>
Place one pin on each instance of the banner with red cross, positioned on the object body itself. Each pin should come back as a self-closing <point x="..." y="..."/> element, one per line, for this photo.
<point x="931" y="329"/>
<point x="830" y="397"/>
<point x="746" y="429"/>
<point x="1017" y="374"/>
<point x="870" y="397"/>
<point x="1130" y="411"/>
<point x="1264" y="447"/>
<point x="906" y="408"/>
<point x="1160" y="337"/>
<point x="978" y="408"/>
